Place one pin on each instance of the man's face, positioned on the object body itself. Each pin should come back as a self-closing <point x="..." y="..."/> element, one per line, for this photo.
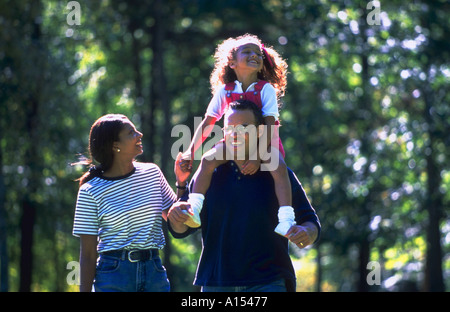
<point x="241" y="135"/>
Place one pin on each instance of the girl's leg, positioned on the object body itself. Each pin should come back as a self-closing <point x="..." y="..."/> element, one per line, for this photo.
<point x="209" y="162"/>
<point x="283" y="191"/>
<point x="282" y="183"/>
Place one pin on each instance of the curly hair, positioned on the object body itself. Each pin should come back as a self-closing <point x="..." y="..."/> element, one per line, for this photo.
<point x="226" y="52"/>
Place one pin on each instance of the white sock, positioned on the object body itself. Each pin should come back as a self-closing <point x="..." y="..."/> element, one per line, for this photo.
<point x="286" y="219"/>
<point x="196" y="202"/>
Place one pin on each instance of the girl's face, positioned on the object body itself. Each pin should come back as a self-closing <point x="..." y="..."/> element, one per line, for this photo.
<point x="248" y="56"/>
<point x="130" y="141"/>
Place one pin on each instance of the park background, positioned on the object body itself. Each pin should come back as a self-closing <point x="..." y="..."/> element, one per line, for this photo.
<point x="365" y="124"/>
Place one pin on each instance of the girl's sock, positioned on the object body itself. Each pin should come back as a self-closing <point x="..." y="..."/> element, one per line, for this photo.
<point x="196" y="202"/>
<point x="286" y="219"/>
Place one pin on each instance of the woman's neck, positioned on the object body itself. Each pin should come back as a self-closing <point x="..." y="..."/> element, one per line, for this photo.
<point x="119" y="169"/>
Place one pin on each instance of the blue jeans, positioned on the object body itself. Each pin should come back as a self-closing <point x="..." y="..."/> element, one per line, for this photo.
<point x="116" y="274"/>
<point x="275" y="286"/>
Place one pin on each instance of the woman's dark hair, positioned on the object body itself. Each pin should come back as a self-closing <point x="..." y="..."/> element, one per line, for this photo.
<point x="248" y="105"/>
<point x="104" y="132"/>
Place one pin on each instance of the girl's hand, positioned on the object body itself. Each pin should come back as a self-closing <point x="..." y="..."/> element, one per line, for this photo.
<point x="251" y="166"/>
<point x="186" y="161"/>
<point x="182" y="171"/>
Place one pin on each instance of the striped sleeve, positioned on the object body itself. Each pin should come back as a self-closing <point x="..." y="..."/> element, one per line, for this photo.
<point x="86" y="220"/>
<point x="167" y="194"/>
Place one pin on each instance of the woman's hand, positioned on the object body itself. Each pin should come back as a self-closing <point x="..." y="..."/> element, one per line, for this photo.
<point x="178" y="214"/>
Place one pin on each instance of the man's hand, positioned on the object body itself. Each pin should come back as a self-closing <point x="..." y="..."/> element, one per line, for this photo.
<point x="302" y="235"/>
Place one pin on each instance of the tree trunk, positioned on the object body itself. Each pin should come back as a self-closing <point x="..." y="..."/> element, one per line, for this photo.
<point x="433" y="204"/>
<point x="319" y="269"/>
<point x="28" y="204"/>
<point x="366" y="113"/>
<point x="160" y="99"/>
<point x="31" y="159"/>
<point x="364" y="253"/>
<point x="4" y="281"/>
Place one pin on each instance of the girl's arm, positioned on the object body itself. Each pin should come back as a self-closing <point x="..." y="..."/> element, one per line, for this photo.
<point x="202" y="132"/>
<point x="88" y="259"/>
<point x="200" y="135"/>
<point x="270" y="131"/>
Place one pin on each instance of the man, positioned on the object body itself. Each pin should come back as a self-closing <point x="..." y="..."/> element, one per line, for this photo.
<point x="241" y="251"/>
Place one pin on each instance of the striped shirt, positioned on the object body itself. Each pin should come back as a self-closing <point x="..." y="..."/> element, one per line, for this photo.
<point x="124" y="212"/>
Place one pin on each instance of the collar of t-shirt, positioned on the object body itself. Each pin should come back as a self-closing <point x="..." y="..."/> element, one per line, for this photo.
<point x="238" y="87"/>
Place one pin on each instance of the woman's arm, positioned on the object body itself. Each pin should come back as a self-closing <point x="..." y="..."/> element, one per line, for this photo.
<point x="181" y="176"/>
<point x="88" y="260"/>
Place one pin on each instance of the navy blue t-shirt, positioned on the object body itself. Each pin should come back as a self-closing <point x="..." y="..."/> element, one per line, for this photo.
<point x="239" y="215"/>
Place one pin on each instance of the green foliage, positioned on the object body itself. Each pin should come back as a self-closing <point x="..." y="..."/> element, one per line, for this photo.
<point x="365" y="120"/>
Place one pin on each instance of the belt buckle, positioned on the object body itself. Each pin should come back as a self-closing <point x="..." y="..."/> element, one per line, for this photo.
<point x="129" y="254"/>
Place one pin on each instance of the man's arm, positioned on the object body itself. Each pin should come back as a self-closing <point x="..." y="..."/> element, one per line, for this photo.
<point x="176" y="218"/>
<point x="307" y="230"/>
<point x="303" y="235"/>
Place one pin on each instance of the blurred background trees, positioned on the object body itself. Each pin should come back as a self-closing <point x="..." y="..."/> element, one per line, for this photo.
<point x="365" y="123"/>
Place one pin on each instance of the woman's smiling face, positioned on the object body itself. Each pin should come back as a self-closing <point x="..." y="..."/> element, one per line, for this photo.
<point x="130" y="140"/>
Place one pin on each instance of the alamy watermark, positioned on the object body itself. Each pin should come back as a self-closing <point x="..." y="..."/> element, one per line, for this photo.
<point x="374" y="276"/>
<point x="237" y="138"/>
<point x="373" y="17"/>
<point x="74" y="16"/>
<point x="73" y="277"/>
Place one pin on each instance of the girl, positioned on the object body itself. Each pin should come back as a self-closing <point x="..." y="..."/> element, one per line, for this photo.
<point x="244" y="68"/>
<point x="119" y="212"/>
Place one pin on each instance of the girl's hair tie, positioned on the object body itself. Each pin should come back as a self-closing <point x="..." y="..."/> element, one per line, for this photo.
<point x="266" y="55"/>
<point x="95" y="170"/>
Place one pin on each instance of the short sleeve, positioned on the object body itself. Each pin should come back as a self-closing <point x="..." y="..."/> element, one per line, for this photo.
<point x="86" y="214"/>
<point x="216" y="107"/>
<point x="269" y="101"/>
<point x="168" y="195"/>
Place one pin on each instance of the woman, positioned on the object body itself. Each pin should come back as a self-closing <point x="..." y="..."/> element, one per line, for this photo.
<point x="119" y="212"/>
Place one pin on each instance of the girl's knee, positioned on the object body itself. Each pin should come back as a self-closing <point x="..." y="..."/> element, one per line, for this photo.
<point x="281" y="169"/>
<point x="210" y="163"/>
<point x="207" y="163"/>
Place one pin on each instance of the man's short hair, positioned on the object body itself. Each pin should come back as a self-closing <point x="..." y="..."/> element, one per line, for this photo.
<point x="246" y="104"/>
